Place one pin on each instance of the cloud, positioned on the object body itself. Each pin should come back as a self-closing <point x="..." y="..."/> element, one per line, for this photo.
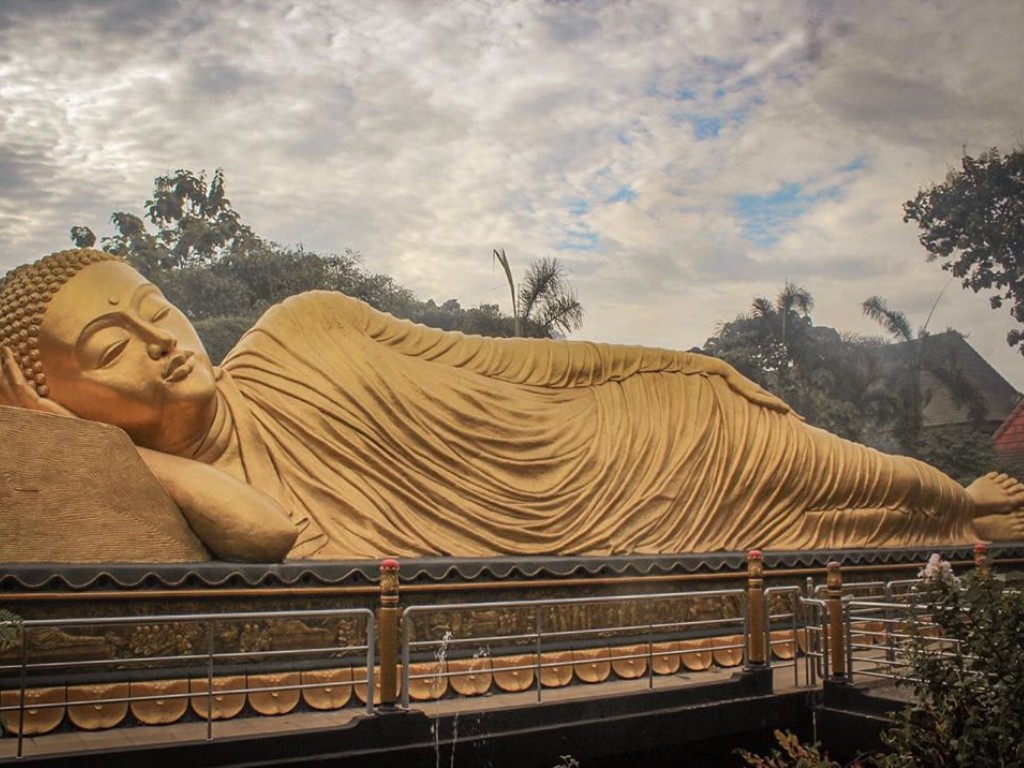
<point x="680" y="158"/>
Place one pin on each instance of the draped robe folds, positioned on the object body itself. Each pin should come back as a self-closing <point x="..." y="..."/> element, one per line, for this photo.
<point x="381" y="437"/>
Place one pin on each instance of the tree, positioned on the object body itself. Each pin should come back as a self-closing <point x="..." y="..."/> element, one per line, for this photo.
<point x="756" y="342"/>
<point x="195" y="222"/>
<point x="815" y="370"/>
<point x="974" y="222"/>
<point x="545" y="304"/>
<point x="905" y="396"/>
<point x="784" y="325"/>
<point x="223" y="276"/>
<point x="862" y="389"/>
<point x="908" y="398"/>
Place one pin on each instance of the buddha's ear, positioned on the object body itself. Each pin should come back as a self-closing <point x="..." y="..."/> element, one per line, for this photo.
<point x="16" y="391"/>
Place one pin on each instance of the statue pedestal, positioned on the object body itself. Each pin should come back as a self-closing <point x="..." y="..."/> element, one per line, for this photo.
<point x="74" y="491"/>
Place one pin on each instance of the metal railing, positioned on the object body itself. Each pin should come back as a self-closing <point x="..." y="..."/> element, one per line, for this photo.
<point x="788" y="620"/>
<point x="543" y="637"/>
<point x="208" y="661"/>
<point x="842" y="630"/>
<point x="882" y="650"/>
<point x="874" y="621"/>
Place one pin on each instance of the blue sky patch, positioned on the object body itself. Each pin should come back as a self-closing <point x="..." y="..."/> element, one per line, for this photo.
<point x="706" y="127"/>
<point x="764" y="218"/>
<point x="719" y="66"/>
<point x="623" y="194"/>
<point x="579" y="240"/>
<point x="578" y="206"/>
<point x="858" y="164"/>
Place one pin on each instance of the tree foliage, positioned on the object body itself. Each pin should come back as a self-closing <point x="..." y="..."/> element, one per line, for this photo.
<point x="863" y="389"/>
<point x="193" y="244"/>
<point x="968" y="709"/>
<point x="963" y="452"/>
<point x="820" y="374"/>
<point x="545" y="304"/>
<point x="974" y="223"/>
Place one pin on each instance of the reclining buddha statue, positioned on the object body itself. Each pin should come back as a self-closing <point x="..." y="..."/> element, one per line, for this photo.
<point x="333" y="431"/>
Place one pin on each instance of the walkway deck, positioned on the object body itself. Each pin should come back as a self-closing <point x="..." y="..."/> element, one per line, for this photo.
<point x="63" y="744"/>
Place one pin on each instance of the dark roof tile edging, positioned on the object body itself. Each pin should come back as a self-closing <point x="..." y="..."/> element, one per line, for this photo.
<point x="141" y="577"/>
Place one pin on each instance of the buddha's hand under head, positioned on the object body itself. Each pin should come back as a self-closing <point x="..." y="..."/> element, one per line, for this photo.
<point x="18" y="393"/>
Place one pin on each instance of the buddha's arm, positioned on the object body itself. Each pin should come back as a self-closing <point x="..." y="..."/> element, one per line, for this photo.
<point x="233" y="519"/>
<point x="542" y="362"/>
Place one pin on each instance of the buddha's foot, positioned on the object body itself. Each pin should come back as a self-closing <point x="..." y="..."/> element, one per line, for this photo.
<point x="1005" y="527"/>
<point x="999" y="507"/>
<point x="996" y="494"/>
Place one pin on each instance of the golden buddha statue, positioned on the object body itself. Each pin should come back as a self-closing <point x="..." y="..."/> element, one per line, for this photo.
<point x="336" y="431"/>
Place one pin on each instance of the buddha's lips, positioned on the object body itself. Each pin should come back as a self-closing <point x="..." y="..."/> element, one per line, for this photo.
<point x="179" y="367"/>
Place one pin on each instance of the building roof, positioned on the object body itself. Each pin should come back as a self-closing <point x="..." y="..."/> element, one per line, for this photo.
<point x="1009" y="438"/>
<point x="950" y="351"/>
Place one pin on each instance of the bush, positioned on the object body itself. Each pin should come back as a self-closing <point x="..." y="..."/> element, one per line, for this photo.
<point x="794" y="754"/>
<point x="969" y="694"/>
<point x="968" y="707"/>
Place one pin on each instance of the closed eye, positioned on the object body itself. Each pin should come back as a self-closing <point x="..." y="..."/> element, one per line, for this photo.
<point x="111" y="353"/>
<point x="161" y="314"/>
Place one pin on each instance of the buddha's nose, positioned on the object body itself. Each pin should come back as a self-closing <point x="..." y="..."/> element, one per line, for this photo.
<point x="161" y="346"/>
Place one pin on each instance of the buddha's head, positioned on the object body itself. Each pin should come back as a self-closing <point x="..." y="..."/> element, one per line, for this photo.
<point x="92" y="334"/>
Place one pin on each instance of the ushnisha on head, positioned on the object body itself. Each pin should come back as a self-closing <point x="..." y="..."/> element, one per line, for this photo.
<point x="25" y="293"/>
<point x="93" y="336"/>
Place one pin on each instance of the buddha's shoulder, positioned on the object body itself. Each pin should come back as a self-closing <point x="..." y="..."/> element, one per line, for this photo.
<point x="317" y="308"/>
<point x="328" y="299"/>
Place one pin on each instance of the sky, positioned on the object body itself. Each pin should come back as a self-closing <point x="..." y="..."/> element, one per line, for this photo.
<point x="679" y="158"/>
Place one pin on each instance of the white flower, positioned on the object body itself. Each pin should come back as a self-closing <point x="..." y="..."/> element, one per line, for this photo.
<point x="937" y="570"/>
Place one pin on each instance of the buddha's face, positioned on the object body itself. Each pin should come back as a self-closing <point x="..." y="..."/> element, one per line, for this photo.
<point x="114" y="350"/>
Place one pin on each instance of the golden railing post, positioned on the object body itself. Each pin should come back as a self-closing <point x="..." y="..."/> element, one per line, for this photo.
<point x="756" y="650"/>
<point x="981" y="558"/>
<point x="387" y="633"/>
<point x="836" y="627"/>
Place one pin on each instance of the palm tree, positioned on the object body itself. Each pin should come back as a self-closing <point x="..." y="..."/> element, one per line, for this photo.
<point x="908" y="399"/>
<point x="893" y="321"/>
<point x="781" y="323"/>
<point x="545" y="304"/>
<point x="793" y="299"/>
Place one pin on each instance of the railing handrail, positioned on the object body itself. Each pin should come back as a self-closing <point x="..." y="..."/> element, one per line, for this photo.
<point x="193" y="617"/>
<point x="207" y="657"/>
<point x="538" y="634"/>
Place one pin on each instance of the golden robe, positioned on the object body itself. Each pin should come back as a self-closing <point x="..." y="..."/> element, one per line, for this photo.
<point x="381" y="437"/>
